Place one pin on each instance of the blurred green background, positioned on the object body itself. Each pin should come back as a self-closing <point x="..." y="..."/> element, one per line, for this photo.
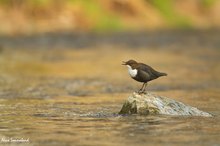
<point x="37" y="16"/>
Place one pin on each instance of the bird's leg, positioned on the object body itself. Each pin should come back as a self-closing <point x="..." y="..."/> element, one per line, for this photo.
<point x="144" y="89"/>
<point x="141" y="90"/>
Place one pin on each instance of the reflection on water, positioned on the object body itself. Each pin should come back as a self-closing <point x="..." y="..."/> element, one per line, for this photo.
<point x="71" y="96"/>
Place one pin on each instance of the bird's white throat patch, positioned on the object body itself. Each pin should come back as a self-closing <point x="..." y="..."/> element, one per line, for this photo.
<point x="132" y="72"/>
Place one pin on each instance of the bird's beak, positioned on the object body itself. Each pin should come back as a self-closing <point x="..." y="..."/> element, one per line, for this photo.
<point x="123" y="63"/>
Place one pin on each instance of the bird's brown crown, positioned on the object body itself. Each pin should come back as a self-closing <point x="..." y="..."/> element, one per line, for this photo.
<point x="130" y="62"/>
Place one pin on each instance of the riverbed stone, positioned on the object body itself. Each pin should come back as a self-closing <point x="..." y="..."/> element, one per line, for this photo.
<point x="149" y="103"/>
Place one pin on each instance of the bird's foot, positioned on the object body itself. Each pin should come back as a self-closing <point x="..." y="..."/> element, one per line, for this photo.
<point x="141" y="92"/>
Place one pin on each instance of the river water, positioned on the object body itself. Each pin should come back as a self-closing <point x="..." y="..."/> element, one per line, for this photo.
<point x="56" y="92"/>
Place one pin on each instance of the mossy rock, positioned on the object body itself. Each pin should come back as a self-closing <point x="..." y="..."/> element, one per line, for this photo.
<point x="148" y="104"/>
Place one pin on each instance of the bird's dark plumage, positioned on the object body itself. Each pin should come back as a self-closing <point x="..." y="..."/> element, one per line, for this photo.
<point x="144" y="73"/>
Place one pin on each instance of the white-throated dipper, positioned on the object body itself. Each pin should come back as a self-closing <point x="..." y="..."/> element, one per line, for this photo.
<point x="142" y="73"/>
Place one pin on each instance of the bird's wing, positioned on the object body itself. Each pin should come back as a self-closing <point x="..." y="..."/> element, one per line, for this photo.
<point x="149" y="70"/>
<point x="144" y="75"/>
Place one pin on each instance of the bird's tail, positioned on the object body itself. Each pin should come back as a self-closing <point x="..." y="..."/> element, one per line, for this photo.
<point x="162" y="74"/>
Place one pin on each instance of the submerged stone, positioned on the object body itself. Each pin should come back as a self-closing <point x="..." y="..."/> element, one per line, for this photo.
<point x="146" y="104"/>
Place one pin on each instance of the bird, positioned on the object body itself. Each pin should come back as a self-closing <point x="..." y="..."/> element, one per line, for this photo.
<point x="142" y="73"/>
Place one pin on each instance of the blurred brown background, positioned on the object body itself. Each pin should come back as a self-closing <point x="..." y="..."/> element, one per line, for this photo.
<point x="37" y="16"/>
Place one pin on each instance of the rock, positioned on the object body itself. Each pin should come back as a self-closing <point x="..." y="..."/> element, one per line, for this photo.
<point x="145" y="104"/>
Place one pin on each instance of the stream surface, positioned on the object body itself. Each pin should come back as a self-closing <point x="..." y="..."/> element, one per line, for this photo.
<point x="67" y="89"/>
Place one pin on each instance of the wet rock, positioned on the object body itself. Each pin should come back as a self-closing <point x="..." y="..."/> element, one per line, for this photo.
<point x="146" y="104"/>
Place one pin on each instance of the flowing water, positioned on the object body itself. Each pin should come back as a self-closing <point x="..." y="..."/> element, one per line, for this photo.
<point x="70" y="96"/>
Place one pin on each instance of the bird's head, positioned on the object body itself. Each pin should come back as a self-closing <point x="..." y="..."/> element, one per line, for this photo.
<point x="129" y="62"/>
